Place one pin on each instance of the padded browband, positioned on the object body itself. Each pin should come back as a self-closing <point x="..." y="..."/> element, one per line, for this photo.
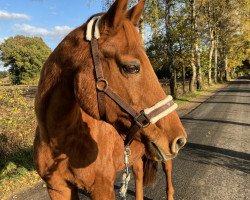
<point x="90" y="28"/>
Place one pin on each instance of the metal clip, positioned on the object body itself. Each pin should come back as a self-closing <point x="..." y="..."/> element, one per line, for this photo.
<point x="126" y="174"/>
<point x="127" y="153"/>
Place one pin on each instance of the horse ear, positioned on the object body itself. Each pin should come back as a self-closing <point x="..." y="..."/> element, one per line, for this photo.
<point x="115" y="14"/>
<point x="134" y="14"/>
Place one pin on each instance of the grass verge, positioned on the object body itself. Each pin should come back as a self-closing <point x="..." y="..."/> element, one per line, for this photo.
<point x="187" y="97"/>
<point x="17" y="127"/>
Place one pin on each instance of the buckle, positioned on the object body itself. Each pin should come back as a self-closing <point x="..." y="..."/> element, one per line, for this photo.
<point x="142" y="120"/>
<point x="102" y="85"/>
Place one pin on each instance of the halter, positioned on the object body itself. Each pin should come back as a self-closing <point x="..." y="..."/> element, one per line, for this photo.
<point x="141" y="119"/>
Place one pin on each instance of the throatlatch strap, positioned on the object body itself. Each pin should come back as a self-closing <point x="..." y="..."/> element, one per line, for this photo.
<point x="131" y="134"/>
<point x="123" y="104"/>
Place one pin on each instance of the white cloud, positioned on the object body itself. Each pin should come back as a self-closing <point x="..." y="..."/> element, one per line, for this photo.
<point x="31" y="30"/>
<point x="11" y="16"/>
<point x="2" y="40"/>
<point x="61" y="30"/>
<point x="37" y="31"/>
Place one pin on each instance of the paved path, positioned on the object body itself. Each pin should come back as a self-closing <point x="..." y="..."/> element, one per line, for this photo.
<point x="215" y="164"/>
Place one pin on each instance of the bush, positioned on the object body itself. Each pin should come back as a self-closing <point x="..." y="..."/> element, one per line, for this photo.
<point x="4" y="74"/>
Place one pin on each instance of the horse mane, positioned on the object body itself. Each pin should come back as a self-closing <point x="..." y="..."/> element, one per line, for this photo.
<point x="61" y="66"/>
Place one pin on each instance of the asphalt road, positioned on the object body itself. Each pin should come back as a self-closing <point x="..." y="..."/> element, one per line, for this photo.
<point x="215" y="164"/>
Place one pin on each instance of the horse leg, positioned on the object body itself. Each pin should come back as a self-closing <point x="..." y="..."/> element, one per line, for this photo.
<point x="138" y="175"/>
<point x="59" y="189"/>
<point x="167" y="168"/>
<point x="103" y="189"/>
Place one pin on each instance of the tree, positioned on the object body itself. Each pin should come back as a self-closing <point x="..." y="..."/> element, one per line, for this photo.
<point x="3" y="74"/>
<point x="233" y="38"/>
<point x="24" y="56"/>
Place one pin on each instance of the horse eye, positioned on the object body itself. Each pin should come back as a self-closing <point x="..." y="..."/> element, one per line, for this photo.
<point x="131" y="69"/>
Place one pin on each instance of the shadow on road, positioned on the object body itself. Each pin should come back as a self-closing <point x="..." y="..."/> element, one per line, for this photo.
<point x="235" y="90"/>
<point x="219" y="150"/>
<point x="225" y="95"/>
<point x="216" y="121"/>
<point x="224" y="102"/>
<point x="83" y="194"/>
<point x="216" y="156"/>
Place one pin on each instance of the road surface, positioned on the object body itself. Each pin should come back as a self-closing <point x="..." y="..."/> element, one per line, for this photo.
<point x="215" y="164"/>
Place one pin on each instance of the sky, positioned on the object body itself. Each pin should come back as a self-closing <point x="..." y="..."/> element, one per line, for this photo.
<point x="50" y="19"/>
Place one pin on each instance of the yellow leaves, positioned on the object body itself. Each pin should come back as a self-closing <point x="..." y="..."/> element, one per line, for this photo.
<point x="17" y="128"/>
<point x="17" y="119"/>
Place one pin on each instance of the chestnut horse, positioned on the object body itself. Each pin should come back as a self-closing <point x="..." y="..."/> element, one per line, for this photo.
<point x="74" y="146"/>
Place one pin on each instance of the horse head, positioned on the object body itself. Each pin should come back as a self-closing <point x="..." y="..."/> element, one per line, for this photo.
<point x="128" y="72"/>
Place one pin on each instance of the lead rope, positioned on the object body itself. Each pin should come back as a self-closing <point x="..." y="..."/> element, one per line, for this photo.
<point x="126" y="174"/>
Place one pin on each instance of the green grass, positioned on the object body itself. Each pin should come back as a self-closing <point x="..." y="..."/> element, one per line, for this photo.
<point x="15" y="165"/>
<point x="187" y="97"/>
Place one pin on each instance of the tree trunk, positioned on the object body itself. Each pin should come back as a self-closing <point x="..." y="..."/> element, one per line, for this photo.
<point x="173" y="85"/>
<point x="221" y="76"/>
<point x="226" y="68"/>
<point x="193" y="21"/>
<point x="211" y="51"/>
<point x="216" y="60"/>
<point x="183" y="78"/>
<point x="198" y="67"/>
<point x="170" y="63"/>
<point x="193" y="78"/>
<point x="196" y="45"/>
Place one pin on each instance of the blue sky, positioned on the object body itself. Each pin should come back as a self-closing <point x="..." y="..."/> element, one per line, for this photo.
<point x="49" y="19"/>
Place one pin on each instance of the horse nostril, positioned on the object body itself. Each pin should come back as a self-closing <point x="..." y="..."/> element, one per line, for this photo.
<point x="181" y="142"/>
<point x="178" y="144"/>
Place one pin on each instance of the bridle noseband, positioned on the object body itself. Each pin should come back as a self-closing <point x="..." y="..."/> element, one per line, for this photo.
<point x="142" y="119"/>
